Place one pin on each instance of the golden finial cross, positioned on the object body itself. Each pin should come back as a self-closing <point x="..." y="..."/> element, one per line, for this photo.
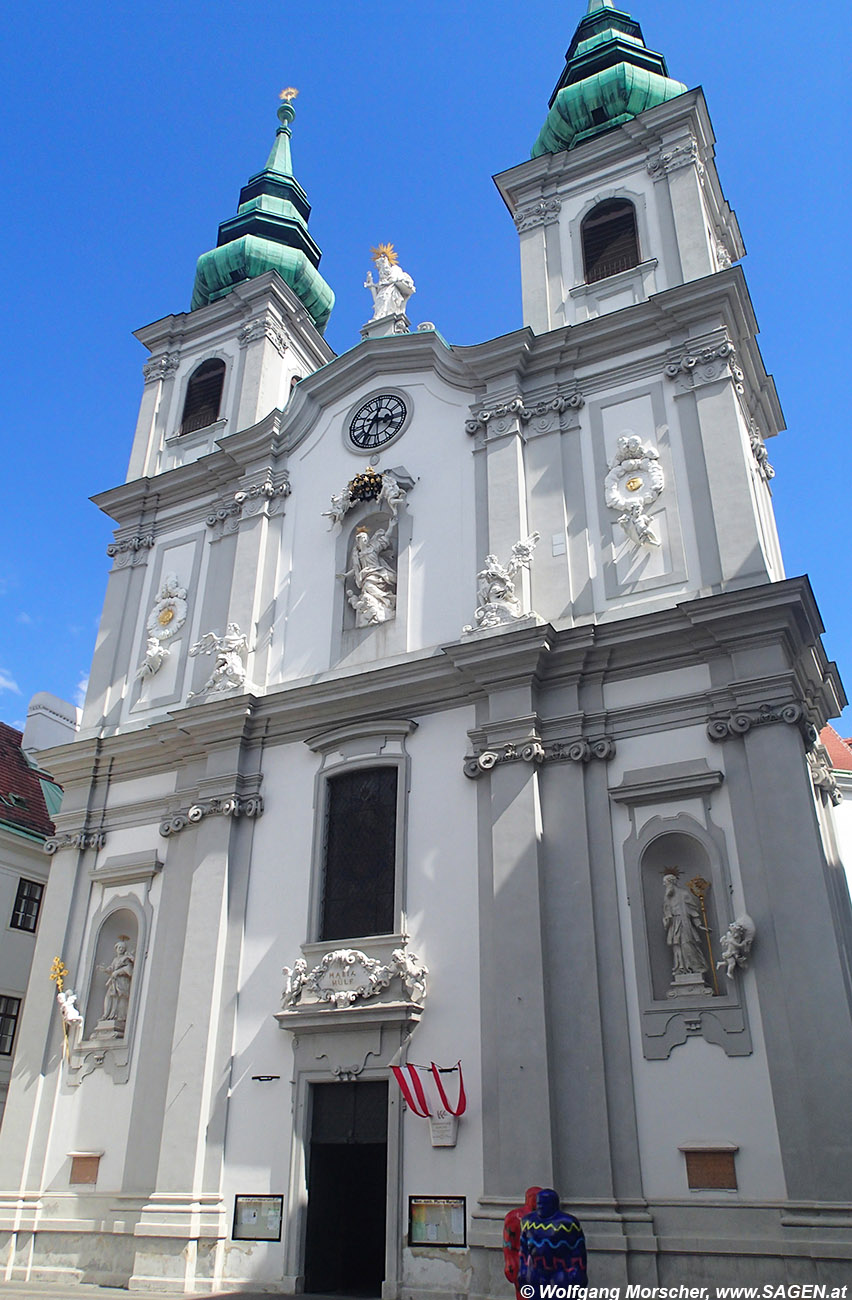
<point x="288" y="93"/>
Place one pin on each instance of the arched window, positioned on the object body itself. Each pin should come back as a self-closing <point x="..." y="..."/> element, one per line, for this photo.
<point x="203" y="395"/>
<point x="610" y="241"/>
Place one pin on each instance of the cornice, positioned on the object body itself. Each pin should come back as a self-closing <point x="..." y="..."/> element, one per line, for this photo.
<point x="237" y="308"/>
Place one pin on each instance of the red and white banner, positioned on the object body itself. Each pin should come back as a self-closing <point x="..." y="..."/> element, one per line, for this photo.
<point x="411" y="1087"/>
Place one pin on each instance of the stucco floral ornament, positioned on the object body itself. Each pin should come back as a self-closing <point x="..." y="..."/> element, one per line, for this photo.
<point x="169" y="613"/>
<point x="166" y="618"/>
<point x="634" y="482"/>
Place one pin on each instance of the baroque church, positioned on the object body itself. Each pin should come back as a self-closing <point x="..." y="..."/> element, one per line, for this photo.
<point x="465" y="687"/>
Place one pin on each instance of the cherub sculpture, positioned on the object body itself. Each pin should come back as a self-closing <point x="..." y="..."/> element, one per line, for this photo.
<point x="736" y="944"/>
<point x="294" y="982"/>
<point x="71" y="1013"/>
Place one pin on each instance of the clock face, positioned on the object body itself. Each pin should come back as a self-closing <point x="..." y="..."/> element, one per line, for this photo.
<point x="379" y="420"/>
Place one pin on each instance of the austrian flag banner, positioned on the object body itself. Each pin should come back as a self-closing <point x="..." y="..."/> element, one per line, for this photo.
<point x="411" y="1087"/>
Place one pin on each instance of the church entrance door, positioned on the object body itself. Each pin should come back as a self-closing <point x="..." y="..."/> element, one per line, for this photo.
<point x="347" y="1189"/>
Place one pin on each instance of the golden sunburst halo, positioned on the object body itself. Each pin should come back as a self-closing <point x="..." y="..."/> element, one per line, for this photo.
<point x="288" y="93"/>
<point x="385" y="250"/>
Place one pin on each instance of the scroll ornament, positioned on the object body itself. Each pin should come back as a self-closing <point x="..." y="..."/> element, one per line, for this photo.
<point x="346" y="975"/>
<point x="634" y="482"/>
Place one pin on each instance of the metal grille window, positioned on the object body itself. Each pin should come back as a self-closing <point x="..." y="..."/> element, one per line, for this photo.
<point x="27" y="904"/>
<point x="203" y="396"/>
<point x="360" y="854"/>
<point x="610" y="241"/>
<point x="10" y="1009"/>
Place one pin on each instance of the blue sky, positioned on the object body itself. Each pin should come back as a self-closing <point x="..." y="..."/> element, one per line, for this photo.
<point x="128" y="130"/>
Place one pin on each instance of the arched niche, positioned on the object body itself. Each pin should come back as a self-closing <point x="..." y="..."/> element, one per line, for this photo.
<point x="114" y="974"/>
<point x="683" y="854"/>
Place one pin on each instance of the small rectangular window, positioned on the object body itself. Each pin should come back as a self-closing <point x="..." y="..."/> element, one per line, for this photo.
<point x="10" y="1009"/>
<point x="27" y="905"/>
<point x="360" y="854"/>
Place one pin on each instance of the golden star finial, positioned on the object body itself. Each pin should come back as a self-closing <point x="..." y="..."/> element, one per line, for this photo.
<point x="288" y="93"/>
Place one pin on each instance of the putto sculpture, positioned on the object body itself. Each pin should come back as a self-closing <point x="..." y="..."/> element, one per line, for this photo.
<point x="495" y="587"/>
<point x="736" y="944"/>
<point x="167" y="617"/>
<point x="394" y="285"/>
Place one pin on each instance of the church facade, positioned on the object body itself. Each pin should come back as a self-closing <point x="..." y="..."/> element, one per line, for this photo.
<point x="465" y="685"/>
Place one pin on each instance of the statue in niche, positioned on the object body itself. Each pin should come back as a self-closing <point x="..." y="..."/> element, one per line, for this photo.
<point x="552" y="1246"/>
<point x="119" y="975"/>
<point x="495" y="587"/>
<point x="736" y="944"/>
<point x="374" y="595"/>
<point x="683" y="926"/>
<point x="394" y="285"/>
<point x="229" y="670"/>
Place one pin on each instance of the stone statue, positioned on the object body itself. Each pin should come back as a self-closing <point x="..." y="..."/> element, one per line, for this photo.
<point x="512" y="1237"/>
<point x="736" y="944"/>
<point x="392" y="495"/>
<point x="68" y="1006"/>
<point x="394" y="285"/>
<point x="294" y="982"/>
<point x="552" y="1247"/>
<point x="229" y="670"/>
<point x="495" y="587"/>
<point x="119" y="975"/>
<point x="374" y="596"/>
<point x="682" y="924"/>
<point x="412" y="972"/>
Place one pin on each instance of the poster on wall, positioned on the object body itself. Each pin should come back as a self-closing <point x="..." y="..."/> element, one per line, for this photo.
<point x="257" y="1218"/>
<point x="437" y="1221"/>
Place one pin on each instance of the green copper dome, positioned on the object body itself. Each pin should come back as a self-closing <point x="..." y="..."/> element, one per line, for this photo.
<point x="269" y="233"/>
<point x="609" y="77"/>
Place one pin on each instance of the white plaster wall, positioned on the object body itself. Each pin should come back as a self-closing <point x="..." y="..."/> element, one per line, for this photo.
<point x="699" y="1093"/>
<point x="95" y="1115"/>
<point x="668" y="685"/>
<point x="441" y="906"/>
<point x="18" y="858"/>
<point x="435" y="450"/>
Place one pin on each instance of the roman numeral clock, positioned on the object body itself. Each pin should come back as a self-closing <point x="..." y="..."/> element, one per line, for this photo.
<point x="378" y="421"/>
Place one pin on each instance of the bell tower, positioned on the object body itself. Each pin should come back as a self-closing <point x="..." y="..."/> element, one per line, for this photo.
<point x="634" y="211"/>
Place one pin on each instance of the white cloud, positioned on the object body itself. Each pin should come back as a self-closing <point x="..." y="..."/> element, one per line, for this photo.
<point x="25" y="618"/>
<point x="80" y="692"/>
<point x="8" y="683"/>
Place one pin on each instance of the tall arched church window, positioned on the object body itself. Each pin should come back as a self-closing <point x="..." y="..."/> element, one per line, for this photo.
<point x="360" y="853"/>
<point x="610" y="241"/>
<point x="203" y="396"/>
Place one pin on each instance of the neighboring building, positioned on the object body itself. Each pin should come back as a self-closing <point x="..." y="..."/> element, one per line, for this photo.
<point x="29" y="799"/>
<point x="835" y="781"/>
<point x="356" y="739"/>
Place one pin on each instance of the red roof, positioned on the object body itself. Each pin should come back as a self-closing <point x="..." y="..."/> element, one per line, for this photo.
<point x="839" y="750"/>
<point x="21" y="796"/>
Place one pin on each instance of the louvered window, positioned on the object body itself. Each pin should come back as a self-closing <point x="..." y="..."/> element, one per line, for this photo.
<point x="203" y="396"/>
<point x="360" y="854"/>
<point x="610" y="242"/>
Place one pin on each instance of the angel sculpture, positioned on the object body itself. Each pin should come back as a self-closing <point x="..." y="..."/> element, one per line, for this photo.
<point x="229" y="670"/>
<point x="294" y="978"/>
<point x="736" y="944"/>
<point x="495" y="586"/>
<point x="71" y="1013"/>
<point x="155" y="655"/>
